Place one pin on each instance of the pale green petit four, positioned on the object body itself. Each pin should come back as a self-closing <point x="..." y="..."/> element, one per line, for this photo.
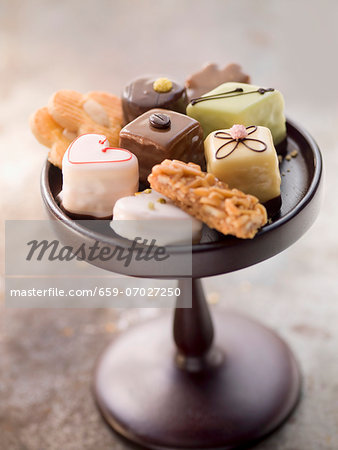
<point x="240" y="103"/>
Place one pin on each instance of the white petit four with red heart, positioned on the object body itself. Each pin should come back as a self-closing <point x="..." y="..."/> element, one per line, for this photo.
<point x="96" y="175"/>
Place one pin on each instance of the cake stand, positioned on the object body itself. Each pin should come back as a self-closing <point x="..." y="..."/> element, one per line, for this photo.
<point x="221" y="383"/>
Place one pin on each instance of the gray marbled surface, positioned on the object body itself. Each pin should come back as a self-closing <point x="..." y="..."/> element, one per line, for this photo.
<point x="47" y="356"/>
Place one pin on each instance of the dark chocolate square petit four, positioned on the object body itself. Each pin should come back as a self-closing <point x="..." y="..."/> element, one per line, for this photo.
<point x="161" y="134"/>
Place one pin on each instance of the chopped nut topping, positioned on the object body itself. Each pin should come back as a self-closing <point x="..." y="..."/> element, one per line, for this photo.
<point x="213" y="298"/>
<point x="292" y="154"/>
<point x="151" y="205"/>
<point x="202" y="195"/>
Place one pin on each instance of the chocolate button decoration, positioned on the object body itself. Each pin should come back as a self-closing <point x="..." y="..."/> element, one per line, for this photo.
<point x="158" y="120"/>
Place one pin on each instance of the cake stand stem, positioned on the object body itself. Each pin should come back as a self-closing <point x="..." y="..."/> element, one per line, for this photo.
<point x="193" y="327"/>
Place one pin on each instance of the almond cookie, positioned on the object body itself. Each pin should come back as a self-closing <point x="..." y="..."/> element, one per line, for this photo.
<point x="70" y="114"/>
<point x="50" y="134"/>
<point x="202" y="195"/>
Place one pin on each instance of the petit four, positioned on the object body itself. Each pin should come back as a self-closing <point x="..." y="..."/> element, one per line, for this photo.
<point x="148" y="93"/>
<point x="239" y="103"/>
<point x="245" y="158"/>
<point x="211" y="76"/>
<point x="70" y="114"/>
<point x="149" y="215"/>
<point x="202" y="195"/>
<point x="96" y="175"/>
<point x="159" y="134"/>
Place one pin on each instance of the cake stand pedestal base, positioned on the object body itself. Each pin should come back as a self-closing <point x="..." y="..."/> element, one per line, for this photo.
<point x="248" y="386"/>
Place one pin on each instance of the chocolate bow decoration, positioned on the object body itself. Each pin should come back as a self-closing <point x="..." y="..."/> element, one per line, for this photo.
<point x="227" y="136"/>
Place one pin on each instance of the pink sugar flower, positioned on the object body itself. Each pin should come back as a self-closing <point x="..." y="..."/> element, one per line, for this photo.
<point x="238" y="132"/>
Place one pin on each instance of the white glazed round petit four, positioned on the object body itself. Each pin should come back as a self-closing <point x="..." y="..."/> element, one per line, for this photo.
<point x="150" y="215"/>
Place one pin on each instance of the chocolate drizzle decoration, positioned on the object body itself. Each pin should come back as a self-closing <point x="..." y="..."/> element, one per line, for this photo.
<point x="227" y="136"/>
<point x="234" y="93"/>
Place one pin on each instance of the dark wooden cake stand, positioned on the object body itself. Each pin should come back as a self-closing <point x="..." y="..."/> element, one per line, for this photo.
<point x="219" y="384"/>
